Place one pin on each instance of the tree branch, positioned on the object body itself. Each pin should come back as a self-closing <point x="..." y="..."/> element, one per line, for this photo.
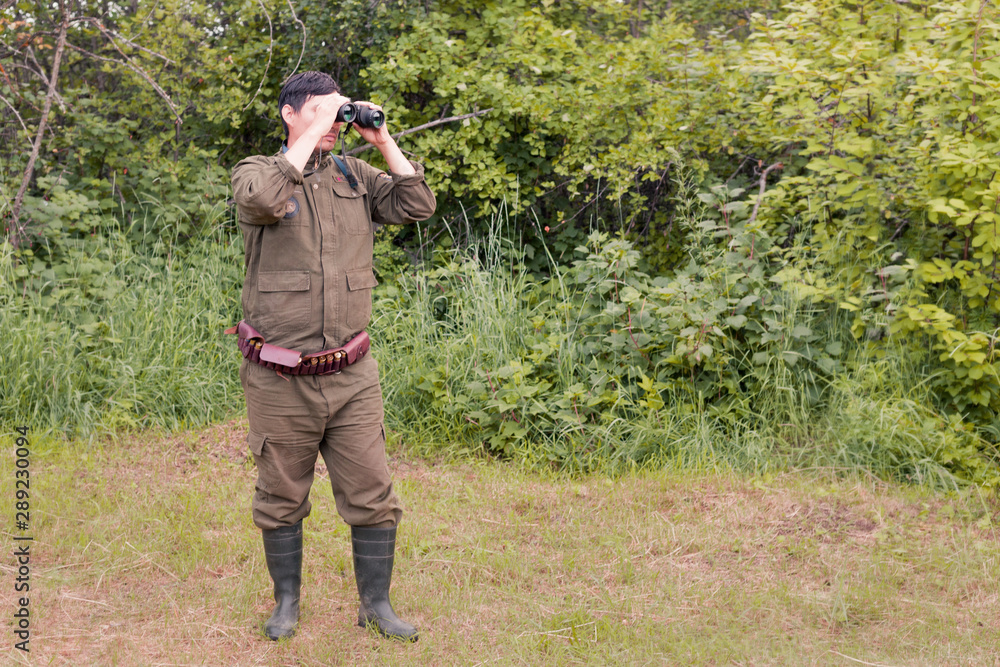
<point x="270" y="48"/>
<point x="41" y="73"/>
<point x="16" y="229"/>
<point x="899" y="230"/>
<point x="142" y="23"/>
<point x="763" y="184"/>
<point x="111" y="34"/>
<point x="27" y="132"/>
<point x="303" y="26"/>
<point x="141" y="72"/>
<point x="138" y="70"/>
<point x="418" y="128"/>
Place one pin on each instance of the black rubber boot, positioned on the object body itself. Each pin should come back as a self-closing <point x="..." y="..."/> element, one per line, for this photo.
<point x="283" y="552"/>
<point x="374" y="549"/>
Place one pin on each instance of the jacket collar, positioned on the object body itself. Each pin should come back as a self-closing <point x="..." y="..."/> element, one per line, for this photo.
<point x="318" y="160"/>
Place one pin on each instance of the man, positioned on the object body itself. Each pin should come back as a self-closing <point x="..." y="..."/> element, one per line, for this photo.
<point x="307" y="225"/>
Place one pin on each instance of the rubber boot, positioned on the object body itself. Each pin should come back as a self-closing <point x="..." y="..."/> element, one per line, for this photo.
<point x="283" y="552"/>
<point x="374" y="549"/>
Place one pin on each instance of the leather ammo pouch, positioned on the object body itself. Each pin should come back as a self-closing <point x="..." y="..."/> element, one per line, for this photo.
<point x="291" y="362"/>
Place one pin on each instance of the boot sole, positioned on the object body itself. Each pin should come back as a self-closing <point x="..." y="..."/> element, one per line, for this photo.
<point x="275" y="636"/>
<point x="373" y="626"/>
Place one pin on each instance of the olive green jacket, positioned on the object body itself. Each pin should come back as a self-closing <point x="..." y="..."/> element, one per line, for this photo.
<point x="309" y="241"/>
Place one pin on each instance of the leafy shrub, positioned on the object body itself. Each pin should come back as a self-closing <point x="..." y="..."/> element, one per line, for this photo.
<point x="143" y="348"/>
<point x="732" y="361"/>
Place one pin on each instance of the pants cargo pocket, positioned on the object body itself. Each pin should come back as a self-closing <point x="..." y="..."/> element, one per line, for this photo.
<point x="256" y="442"/>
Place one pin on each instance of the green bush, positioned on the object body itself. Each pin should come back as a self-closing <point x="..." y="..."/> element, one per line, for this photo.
<point x="599" y="365"/>
<point x="144" y="348"/>
<point x="722" y="234"/>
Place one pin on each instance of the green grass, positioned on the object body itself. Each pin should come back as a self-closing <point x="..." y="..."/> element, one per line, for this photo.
<point x="145" y="350"/>
<point x="478" y="355"/>
<point x="470" y="348"/>
<point x="145" y="554"/>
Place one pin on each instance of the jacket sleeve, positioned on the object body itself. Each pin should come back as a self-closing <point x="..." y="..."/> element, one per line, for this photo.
<point x="395" y="199"/>
<point x="262" y="185"/>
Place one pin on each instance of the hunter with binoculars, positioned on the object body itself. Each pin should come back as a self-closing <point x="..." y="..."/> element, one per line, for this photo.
<point x="311" y="386"/>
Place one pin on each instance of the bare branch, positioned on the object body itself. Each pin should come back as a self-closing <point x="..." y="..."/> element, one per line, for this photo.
<point x="418" y="128"/>
<point x="111" y="34"/>
<point x="142" y="23"/>
<point x="899" y="230"/>
<point x="138" y="70"/>
<point x="270" y="48"/>
<point x="303" y="26"/>
<point x="17" y="229"/>
<point x="141" y="72"/>
<point x="41" y="73"/>
<point x="20" y="120"/>
<point x="763" y="184"/>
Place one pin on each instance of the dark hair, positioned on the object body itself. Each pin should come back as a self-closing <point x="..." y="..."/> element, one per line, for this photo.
<point x="298" y="88"/>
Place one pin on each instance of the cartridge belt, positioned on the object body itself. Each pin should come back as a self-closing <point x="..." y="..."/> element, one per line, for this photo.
<point x="292" y="362"/>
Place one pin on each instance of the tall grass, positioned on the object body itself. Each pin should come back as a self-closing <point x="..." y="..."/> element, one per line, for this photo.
<point x="149" y="352"/>
<point x="478" y="310"/>
<point x="478" y="356"/>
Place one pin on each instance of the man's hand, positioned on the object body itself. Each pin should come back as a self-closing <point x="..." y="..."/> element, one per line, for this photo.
<point x="374" y="136"/>
<point x="382" y="140"/>
<point x="314" y="126"/>
<point x="326" y="114"/>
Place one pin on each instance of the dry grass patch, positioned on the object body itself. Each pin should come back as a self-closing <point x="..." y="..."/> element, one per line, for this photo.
<point x="145" y="555"/>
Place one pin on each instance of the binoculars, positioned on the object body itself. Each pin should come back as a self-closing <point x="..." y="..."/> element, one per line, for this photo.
<point x="360" y="115"/>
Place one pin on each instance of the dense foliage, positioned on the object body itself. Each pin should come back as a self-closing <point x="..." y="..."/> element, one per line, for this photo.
<point x="709" y="204"/>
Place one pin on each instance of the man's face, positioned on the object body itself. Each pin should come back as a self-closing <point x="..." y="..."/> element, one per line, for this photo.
<point x="299" y="122"/>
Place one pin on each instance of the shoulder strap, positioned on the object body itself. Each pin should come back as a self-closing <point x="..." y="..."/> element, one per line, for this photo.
<point x="353" y="182"/>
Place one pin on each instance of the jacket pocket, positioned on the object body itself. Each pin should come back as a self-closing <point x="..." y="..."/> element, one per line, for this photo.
<point x="284" y="302"/>
<point x="350" y="208"/>
<point x="359" y="298"/>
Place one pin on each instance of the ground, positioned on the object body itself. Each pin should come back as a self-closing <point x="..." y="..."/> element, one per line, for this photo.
<point x="144" y="554"/>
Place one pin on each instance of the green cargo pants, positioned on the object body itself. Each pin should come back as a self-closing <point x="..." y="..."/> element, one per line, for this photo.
<point x="339" y="416"/>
